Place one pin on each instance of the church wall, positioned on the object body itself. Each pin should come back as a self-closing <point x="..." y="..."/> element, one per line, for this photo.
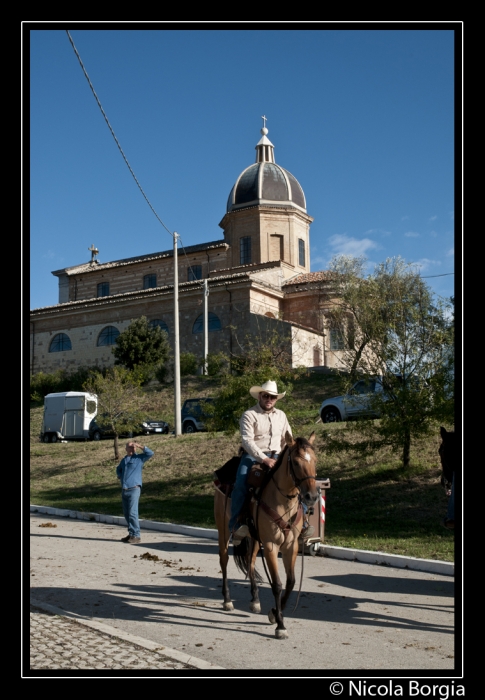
<point x="238" y="225"/>
<point x="308" y="348"/>
<point x="305" y="308"/>
<point x="290" y="226"/>
<point x="265" y="304"/>
<point x="82" y="324"/>
<point x="274" y="233"/>
<point x="129" y="276"/>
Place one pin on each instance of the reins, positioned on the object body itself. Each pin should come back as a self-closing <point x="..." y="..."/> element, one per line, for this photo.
<point x="284" y="525"/>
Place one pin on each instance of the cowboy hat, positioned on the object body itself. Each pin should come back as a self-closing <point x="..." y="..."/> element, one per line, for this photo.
<point x="268" y="387"/>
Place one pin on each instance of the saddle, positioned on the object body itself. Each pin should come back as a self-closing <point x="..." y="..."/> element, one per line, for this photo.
<point x="225" y="477"/>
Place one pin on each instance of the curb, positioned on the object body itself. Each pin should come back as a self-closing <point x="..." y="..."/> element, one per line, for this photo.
<point x="433" y="566"/>
<point x="127" y="637"/>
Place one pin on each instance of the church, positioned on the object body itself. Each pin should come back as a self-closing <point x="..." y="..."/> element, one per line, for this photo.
<point x="258" y="280"/>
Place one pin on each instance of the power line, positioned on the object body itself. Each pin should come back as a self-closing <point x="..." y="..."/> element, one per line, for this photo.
<point x="113" y="133"/>
<point x="119" y="146"/>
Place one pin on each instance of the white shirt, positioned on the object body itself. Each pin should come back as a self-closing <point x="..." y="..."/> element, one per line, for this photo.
<point x="263" y="431"/>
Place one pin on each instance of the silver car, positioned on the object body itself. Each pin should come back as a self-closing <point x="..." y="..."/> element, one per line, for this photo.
<point x="356" y="404"/>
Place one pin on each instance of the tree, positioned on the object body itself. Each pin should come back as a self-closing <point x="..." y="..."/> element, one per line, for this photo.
<point x="261" y="357"/>
<point x="188" y="364"/>
<point x="269" y="351"/>
<point x="142" y="348"/>
<point x="120" y="401"/>
<point x="391" y="327"/>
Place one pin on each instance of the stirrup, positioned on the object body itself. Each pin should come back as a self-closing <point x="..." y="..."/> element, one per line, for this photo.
<point x="307" y="532"/>
<point x="239" y="534"/>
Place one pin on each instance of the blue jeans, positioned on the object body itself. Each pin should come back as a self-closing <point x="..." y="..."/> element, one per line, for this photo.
<point x="450" y="515"/>
<point x="239" y="492"/>
<point x="129" y="501"/>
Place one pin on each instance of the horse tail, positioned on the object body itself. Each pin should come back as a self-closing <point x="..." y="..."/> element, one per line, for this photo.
<point x="242" y="557"/>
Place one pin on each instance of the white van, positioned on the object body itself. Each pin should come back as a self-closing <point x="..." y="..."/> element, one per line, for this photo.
<point x="67" y="416"/>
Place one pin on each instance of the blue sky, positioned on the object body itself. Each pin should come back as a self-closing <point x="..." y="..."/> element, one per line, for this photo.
<point x="362" y="117"/>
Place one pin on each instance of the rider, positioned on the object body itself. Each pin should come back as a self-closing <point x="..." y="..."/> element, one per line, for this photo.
<point x="263" y="428"/>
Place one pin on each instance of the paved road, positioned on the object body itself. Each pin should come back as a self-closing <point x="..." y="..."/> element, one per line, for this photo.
<point x="158" y="605"/>
<point x="61" y="643"/>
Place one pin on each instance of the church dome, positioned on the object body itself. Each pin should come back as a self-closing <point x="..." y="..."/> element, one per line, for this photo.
<point x="264" y="182"/>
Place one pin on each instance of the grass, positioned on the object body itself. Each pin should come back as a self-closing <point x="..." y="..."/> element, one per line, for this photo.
<point x="372" y="504"/>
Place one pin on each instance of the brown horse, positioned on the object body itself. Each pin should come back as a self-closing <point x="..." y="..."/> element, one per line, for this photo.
<point x="277" y="522"/>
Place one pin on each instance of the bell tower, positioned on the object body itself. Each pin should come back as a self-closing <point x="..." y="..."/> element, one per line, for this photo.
<point x="266" y="218"/>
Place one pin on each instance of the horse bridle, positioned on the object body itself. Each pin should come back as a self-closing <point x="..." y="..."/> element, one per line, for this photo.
<point x="296" y="480"/>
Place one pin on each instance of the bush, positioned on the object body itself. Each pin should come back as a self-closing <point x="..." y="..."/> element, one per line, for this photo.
<point x="141" y="345"/>
<point x="44" y="383"/>
<point x="162" y="373"/>
<point x="188" y="364"/>
<point x="234" y="398"/>
<point x="217" y="363"/>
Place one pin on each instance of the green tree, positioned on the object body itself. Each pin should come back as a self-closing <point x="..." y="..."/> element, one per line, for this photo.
<point x="142" y="348"/>
<point x="42" y="383"/>
<point x="391" y="326"/>
<point x="188" y="364"/>
<point x="120" y="401"/>
<point x="261" y="357"/>
<point x="217" y="363"/>
<point x="269" y="352"/>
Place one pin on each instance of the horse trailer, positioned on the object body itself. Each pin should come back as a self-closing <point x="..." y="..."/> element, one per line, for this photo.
<point x="67" y="416"/>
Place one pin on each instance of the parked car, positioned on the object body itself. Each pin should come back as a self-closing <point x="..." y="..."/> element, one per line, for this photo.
<point x="193" y="415"/>
<point x="154" y="426"/>
<point x="359" y="402"/>
<point x="99" y="428"/>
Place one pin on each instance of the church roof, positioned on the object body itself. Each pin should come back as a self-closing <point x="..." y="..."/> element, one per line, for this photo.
<point x="265" y="182"/>
<point x="308" y="278"/>
<point x="97" y="265"/>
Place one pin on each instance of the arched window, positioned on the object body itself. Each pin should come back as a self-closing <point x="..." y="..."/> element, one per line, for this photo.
<point x="161" y="324"/>
<point x="60" y="342"/>
<point x="108" y="336"/>
<point x="213" y="324"/>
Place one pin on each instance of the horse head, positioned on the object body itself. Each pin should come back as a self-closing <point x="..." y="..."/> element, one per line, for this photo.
<point x="302" y="462"/>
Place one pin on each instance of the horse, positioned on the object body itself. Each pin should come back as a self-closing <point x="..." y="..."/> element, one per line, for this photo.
<point x="448" y="454"/>
<point x="277" y="520"/>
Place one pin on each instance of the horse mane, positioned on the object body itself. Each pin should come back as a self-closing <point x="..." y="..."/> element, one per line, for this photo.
<point x="301" y="443"/>
<point x="280" y="458"/>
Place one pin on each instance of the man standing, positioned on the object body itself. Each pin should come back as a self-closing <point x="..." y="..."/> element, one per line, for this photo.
<point x="129" y="472"/>
<point x="263" y="428"/>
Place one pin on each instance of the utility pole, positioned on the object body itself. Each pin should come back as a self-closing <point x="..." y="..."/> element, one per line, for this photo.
<point x="176" y="358"/>
<point x="206" y="326"/>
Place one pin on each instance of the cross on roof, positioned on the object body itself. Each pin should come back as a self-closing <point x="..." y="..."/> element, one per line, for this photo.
<point x="264" y="121"/>
<point x="94" y="252"/>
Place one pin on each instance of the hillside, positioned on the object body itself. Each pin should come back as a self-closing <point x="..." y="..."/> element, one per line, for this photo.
<point x="372" y="504"/>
